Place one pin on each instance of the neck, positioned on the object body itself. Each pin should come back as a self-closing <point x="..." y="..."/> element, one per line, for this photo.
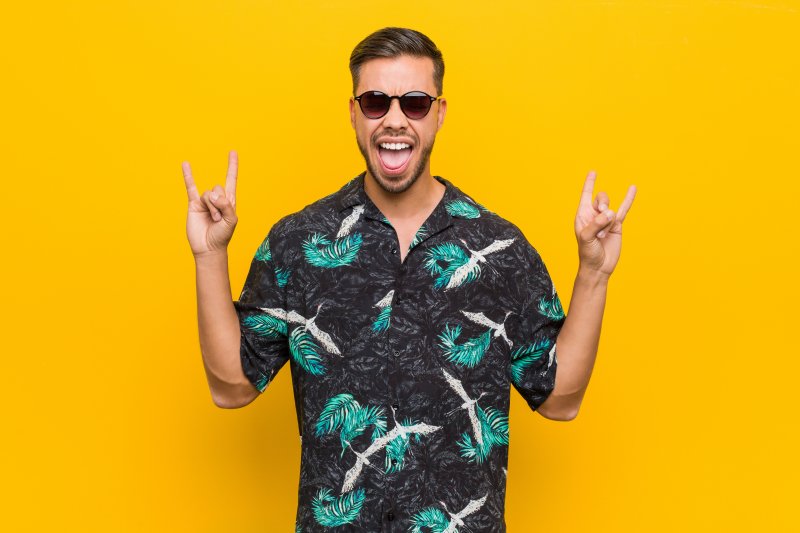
<point x="421" y="197"/>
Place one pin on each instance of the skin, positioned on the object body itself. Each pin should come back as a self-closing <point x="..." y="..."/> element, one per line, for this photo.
<point x="407" y="201"/>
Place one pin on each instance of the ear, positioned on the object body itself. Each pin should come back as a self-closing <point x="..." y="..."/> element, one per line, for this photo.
<point x="442" y="113"/>
<point x="352" y="112"/>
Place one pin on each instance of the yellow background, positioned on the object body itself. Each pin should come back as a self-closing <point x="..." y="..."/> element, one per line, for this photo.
<point x="690" y="420"/>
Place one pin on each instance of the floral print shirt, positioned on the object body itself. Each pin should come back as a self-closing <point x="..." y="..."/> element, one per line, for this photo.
<point x="401" y="371"/>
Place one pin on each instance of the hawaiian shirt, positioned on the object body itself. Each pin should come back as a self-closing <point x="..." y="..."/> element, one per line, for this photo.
<point x="401" y="370"/>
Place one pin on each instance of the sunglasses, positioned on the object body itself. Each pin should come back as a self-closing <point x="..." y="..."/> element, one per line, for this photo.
<point x="415" y="105"/>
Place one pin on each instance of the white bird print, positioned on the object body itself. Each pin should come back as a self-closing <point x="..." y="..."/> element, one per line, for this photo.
<point x="499" y="329"/>
<point x="461" y="273"/>
<point x="294" y="317"/>
<point x="350" y="221"/>
<point x="378" y="444"/>
<point x="456" y="519"/>
<point x="469" y="405"/>
<point x="386" y="300"/>
<point x="552" y="356"/>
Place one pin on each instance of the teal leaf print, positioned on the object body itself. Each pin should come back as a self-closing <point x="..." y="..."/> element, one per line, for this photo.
<point x="422" y="232"/>
<point x="454" y="257"/>
<point x="397" y="447"/>
<point x="494" y="432"/>
<point x="330" y="511"/>
<point x="551" y="307"/>
<point x="525" y="356"/>
<point x="305" y="351"/>
<point x="462" y="209"/>
<point x="382" y="322"/>
<point x="282" y="276"/>
<point x="430" y="519"/>
<point x="467" y="354"/>
<point x="320" y="251"/>
<point x="436" y="521"/>
<point x="343" y="412"/>
<point x="264" y="253"/>
<point x="262" y="383"/>
<point x="266" y="325"/>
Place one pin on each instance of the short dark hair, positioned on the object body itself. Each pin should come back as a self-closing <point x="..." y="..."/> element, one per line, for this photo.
<point x="393" y="42"/>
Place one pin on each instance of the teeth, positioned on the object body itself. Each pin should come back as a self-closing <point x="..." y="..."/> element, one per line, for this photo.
<point x="395" y="146"/>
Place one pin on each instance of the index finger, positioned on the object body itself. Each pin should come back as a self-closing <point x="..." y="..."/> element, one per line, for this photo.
<point x="588" y="189"/>
<point x="233" y="170"/>
<point x="191" y="189"/>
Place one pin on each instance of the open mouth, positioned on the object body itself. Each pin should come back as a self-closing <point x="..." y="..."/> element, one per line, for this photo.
<point x="394" y="156"/>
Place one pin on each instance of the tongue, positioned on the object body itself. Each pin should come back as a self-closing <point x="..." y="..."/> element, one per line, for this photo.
<point x="394" y="158"/>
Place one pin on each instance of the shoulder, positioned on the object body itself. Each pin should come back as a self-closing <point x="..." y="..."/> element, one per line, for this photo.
<point x="477" y="219"/>
<point x="321" y="216"/>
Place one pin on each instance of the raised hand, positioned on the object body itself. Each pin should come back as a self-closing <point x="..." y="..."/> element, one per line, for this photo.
<point x="212" y="216"/>
<point x="598" y="229"/>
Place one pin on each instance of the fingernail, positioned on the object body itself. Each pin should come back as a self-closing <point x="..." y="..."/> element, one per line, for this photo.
<point x="610" y="214"/>
<point x="601" y="234"/>
<point x="603" y="207"/>
<point x="214" y="196"/>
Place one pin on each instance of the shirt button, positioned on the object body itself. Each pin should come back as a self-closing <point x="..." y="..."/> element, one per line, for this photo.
<point x="394" y="250"/>
<point x="390" y="515"/>
<point x="396" y="406"/>
<point x="396" y="353"/>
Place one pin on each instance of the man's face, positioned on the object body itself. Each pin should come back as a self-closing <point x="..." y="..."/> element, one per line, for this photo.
<point x="395" y="171"/>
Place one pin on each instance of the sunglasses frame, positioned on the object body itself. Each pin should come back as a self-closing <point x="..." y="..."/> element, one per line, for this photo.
<point x="400" y="99"/>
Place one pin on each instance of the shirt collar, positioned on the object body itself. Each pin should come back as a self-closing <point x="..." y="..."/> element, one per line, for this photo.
<point x="353" y="193"/>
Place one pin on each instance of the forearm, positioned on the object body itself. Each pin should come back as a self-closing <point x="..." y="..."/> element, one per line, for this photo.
<point x="577" y="343"/>
<point x="220" y="336"/>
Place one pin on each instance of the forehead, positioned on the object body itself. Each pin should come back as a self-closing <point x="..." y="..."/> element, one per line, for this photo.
<point x="397" y="75"/>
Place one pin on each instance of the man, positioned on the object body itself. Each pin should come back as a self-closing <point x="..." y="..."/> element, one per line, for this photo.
<point x="407" y="311"/>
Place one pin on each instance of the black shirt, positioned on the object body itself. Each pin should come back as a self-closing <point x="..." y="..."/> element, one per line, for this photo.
<point x="401" y="370"/>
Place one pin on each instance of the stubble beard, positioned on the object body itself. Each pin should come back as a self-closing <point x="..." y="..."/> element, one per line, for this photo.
<point x="394" y="186"/>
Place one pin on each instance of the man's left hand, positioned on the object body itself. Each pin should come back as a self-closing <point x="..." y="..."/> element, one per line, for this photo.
<point x="599" y="229"/>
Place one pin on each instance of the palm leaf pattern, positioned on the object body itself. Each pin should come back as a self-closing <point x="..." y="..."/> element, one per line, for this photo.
<point x="430" y="518"/>
<point x="262" y="383"/>
<point x="467" y="354"/>
<point x="422" y="232"/>
<point x="330" y="511"/>
<point x="525" y="356"/>
<point x="264" y="253"/>
<point x="266" y="325"/>
<point x="382" y="322"/>
<point x="305" y="351"/>
<point x="282" y="276"/>
<point x="397" y="447"/>
<point x="494" y="432"/>
<point x="454" y="256"/>
<point x="551" y="307"/>
<point x="343" y="412"/>
<point x="320" y="251"/>
<point x="463" y="209"/>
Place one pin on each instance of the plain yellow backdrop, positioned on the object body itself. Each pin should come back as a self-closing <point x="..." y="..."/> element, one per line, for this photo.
<point x="690" y="419"/>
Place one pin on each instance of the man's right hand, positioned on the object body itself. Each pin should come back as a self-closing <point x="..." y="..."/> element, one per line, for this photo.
<point x="212" y="216"/>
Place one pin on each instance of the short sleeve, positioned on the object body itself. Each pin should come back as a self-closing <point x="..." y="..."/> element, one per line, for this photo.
<point x="533" y="330"/>
<point x="261" y="309"/>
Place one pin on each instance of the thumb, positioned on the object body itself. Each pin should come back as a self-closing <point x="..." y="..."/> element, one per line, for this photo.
<point x="600" y="222"/>
<point x="221" y="202"/>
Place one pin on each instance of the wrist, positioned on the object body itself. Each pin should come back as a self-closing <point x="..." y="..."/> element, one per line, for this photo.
<point x="591" y="276"/>
<point x="211" y="257"/>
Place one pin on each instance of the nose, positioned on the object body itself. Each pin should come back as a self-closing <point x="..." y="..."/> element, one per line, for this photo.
<point x="395" y="118"/>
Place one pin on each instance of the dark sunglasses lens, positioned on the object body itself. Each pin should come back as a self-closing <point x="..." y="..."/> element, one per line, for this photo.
<point x="374" y="104"/>
<point x="415" y="106"/>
